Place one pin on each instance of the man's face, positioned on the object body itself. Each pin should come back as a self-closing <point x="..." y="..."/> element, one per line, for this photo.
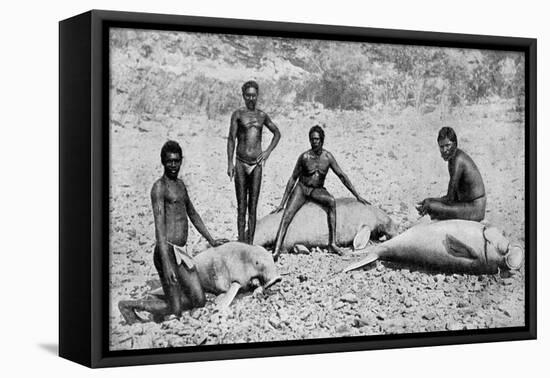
<point x="446" y="148"/>
<point x="315" y="141"/>
<point x="250" y="97"/>
<point x="172" y="164"/>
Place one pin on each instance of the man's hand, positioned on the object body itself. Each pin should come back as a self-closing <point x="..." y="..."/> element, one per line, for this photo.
<point x="423" y="207"/>
<point x="262" y="158"/>
<point x="230" y="170"/>
<point x="218" y="242"/>
<point x="278" y="209"/>
<point x="363" y="201"/>
<point x="170" y="274"/>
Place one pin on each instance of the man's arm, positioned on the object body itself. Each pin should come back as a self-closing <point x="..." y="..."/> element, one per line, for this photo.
<point x="344" y="178"/>
<point x="455" y="172"/>
<point x="197" y="220"/>
<point x="290" y="184"/>
<point x="157" y="200"/>
<point x="454" y="177"/>
<point x="274" y="141"/>
<point x="231" y="144"/>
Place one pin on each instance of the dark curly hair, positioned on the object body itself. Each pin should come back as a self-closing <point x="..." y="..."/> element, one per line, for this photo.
<point x="170" y="147"/>
<point x="250" y="84"/>
<point x="447" y="132"/>
<point x="317" y="129"/>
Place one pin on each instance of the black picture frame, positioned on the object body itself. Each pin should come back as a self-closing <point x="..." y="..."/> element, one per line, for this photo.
<point x="84" y="193"/>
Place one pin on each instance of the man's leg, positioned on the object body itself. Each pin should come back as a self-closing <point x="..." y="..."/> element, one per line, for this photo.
<point x="296" y="201"/>
<point x="327" y="201"/>
<point x="254" y="185"/>
<point x="172" y="292"/>
<point x="241" y="192"/>
<point x="193" y="293"/>
<point x="474" y="210"/>
<point x="156" y="306"/>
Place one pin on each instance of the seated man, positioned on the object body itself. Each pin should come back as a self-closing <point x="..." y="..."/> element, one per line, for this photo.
<point x="171" y="207"/>
<point x="465" y="198"/>
<point x="307" y="184"/>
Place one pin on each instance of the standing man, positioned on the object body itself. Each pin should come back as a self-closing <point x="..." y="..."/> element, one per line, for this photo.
<point x="246" y="127"/>
<point x="465" y="198"/>
<point x="307" y="184"/>
<point x="171" y="208"/>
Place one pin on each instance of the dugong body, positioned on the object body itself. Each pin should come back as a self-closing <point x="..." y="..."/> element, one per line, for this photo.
<point x="309" y="226"/>
<point x="225" y="269"/>
<point x="452" y="245"/>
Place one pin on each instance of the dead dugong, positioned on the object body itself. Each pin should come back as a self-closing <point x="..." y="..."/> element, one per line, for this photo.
<point x="309" y="226"/>
<point x="229" y="268"/>
<point x="452" y="245"/>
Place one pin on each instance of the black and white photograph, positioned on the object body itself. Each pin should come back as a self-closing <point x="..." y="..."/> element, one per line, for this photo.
<point x="267" y="189"/>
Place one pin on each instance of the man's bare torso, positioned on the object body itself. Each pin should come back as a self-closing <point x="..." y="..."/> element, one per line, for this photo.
<point x="314" y="168"/>
<point x="470" y="184"/>
<point x="175" y="196"/>
<point x="249" y="134"/>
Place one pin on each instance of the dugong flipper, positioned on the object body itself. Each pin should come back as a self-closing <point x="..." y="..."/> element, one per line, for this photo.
<point x="362" y="238"/>
<point x="309" y="226"/>
<point x="451" y="245"/>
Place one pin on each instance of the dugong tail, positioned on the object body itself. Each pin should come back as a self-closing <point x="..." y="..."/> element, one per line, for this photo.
<point x="371" y="257"/>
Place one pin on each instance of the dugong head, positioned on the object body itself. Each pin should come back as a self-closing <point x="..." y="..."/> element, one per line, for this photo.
<point x="264" y="267"/>
<point x="508" y="256"/>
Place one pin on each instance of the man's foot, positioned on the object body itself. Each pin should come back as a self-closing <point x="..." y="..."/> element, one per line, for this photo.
<point x="335" y="249"/>
<point x="276" y="256"/>
<point x="127" y="310"/>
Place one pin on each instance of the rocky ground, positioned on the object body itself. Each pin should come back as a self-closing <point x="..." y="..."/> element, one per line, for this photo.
<point x="393" y="160"/>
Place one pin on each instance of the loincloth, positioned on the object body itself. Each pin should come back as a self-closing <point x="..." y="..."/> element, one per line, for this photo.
<point x="307" y="190"/>
<point x="180" y="254"/>
<point x="248" y="166"/>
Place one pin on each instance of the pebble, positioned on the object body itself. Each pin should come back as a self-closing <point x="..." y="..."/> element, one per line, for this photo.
<point x="274" y="322"/>
<point x="454" y="326"/>
<point x="339" y="305"/>
<point x="429" y="316"/>
<point x="201" y="339"/>
<point x="342" y="328"/>
<point x="349" y="297"/>
<point x="361" y="322"/>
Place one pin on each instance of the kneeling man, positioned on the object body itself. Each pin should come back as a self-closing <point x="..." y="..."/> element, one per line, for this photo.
<point x="465" y="198"/>
<point x="307" y="184"/>
<point x="171" y="208"/>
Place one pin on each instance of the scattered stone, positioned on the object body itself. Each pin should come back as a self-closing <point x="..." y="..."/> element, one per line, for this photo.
<point x="339" y="305"/>
<point x="361" y="322"/>
<point x="201" y="339"/>
<point x="274" y="322"/>
<point x="408" y="302"/>
<point x="349" y="297"/>
<point x="342" y="328"/>
<point x="429" y="316"/>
